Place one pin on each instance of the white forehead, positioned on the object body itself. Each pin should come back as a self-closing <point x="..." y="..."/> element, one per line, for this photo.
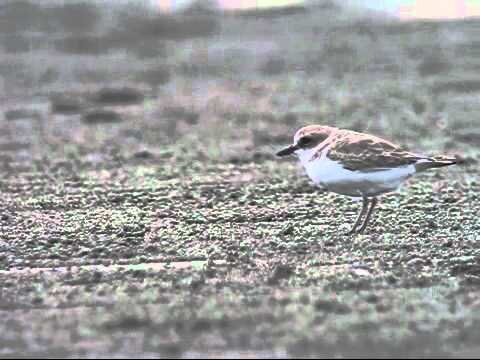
<point x="301" y="133"/>
<point x="298" y="134"/>
<point x="312" y="129"/>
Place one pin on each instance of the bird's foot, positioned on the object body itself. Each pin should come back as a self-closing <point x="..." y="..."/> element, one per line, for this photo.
<point x="355" y="231"/>
<point x="351" y="232"/>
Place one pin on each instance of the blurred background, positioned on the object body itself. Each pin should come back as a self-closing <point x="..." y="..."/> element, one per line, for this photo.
<point x="142" y="134"/>
<point x="395" y="68"/>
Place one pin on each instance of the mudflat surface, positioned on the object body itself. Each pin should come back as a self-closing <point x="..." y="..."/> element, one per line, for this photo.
<point x="144" y="214"/>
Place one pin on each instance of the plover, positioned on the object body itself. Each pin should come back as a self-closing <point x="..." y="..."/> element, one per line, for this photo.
<point x="356" y="164"/>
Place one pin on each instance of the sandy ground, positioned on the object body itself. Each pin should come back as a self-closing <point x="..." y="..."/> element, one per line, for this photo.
<point x="144" y="214"/>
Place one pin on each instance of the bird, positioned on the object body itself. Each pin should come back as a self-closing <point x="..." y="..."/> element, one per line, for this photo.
<point x="358" y="165"/>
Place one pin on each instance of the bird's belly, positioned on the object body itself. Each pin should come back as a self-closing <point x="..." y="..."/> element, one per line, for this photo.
<point x="335" y="178"/>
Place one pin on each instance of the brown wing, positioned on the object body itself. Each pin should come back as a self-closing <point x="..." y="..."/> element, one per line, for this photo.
<point x="358" y="151"/>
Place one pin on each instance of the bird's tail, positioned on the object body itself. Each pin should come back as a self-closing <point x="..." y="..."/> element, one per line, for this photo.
<point x="436" y="162"/>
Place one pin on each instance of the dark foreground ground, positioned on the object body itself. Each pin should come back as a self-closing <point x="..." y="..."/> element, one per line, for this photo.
<point x="143" y="213"/>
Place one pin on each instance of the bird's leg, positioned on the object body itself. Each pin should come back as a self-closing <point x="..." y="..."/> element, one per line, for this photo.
<point x="373" y="203"/>
<point x="360" y="216"/>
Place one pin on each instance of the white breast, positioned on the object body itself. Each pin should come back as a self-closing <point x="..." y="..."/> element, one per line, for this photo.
<point x="336" y="178"/>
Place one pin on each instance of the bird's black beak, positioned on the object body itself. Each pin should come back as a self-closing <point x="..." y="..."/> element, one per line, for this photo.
<point x="288" y="150"/>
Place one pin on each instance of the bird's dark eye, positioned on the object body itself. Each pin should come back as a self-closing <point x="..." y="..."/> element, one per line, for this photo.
<point x="304" y="141"/>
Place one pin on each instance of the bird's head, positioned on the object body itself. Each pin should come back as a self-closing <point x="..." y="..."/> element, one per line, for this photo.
<point x="306" y="138"/>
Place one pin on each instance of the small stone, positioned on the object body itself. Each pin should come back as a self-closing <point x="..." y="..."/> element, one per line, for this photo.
<point x="279" y="273"/>
<point x="331" y="306"/>
<point x="100" y="116"/>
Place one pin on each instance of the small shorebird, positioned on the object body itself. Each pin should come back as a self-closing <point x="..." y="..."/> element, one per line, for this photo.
<point x="356" y="164"/>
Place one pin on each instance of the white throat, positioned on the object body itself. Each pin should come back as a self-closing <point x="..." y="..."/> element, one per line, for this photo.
<point x="306" y="155"/>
